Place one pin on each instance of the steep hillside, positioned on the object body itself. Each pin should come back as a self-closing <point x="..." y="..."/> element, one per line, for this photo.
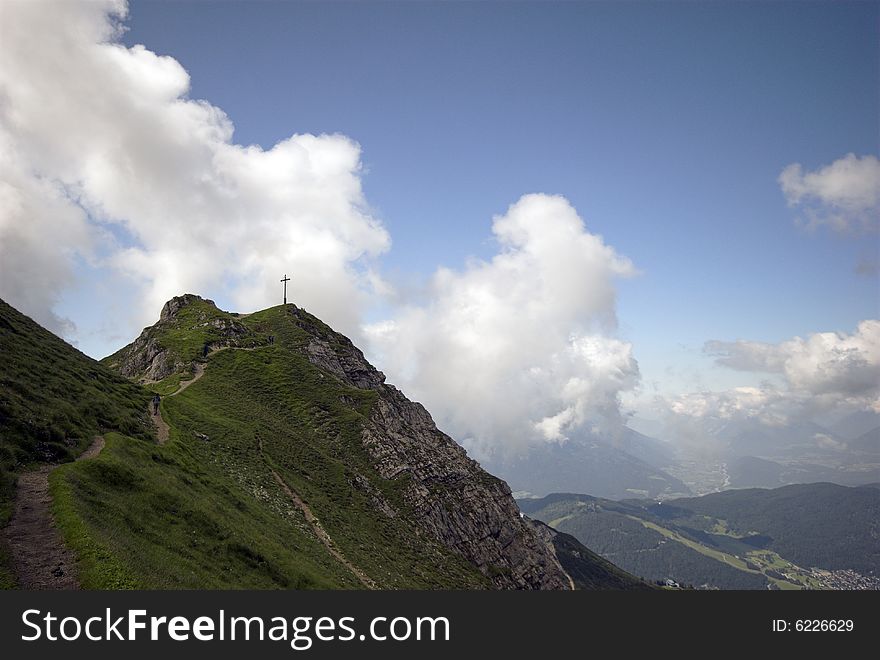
<point x="289" y="463"/>
<point x="53" y="401"/>
<point x="587" y="569"/>
<point x="814" y="535"/>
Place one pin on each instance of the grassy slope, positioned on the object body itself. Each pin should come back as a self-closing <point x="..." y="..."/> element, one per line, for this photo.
<point x="53" y="400"/>
<point x="208" y="513"/>
<point x="204" y="510"/>
<point x="310" y="425"/>
<point x="143" y="516"/>
<point x="731" y="560"/>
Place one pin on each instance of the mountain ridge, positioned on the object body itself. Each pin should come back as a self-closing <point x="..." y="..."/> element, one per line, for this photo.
<point x="400" y="500"/>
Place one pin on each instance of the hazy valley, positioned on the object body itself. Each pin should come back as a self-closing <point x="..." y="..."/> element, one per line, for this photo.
<point x="812" y="536"/>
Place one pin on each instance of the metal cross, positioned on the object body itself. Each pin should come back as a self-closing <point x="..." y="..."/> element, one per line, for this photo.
<point x="285" y="281"/>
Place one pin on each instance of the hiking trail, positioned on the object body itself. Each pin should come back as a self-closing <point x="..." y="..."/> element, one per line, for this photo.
<point x="163" y="430"/>
<point x="39" y="557"/>
<point x="317" y="527"/>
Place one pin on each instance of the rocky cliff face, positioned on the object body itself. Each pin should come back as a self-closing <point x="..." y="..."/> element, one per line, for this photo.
<point x="455" y="500"/>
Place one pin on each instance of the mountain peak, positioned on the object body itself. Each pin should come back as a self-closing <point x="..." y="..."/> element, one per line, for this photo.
<point x="189" y="327"/>
<point x="355" y="445"/>
<point x="173" y="306"/>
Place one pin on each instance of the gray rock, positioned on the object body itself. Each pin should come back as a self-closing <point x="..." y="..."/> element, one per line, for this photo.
<point x="453" y="499"/>
<point x="146" y="360"/>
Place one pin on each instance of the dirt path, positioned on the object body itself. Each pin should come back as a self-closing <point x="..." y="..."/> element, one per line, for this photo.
<point x="39" y="556"/>
<point x="200" y="371"/>
<point x="93" y="450"/>
<point x="162" y="429"/>
<point x="319" y="530"/>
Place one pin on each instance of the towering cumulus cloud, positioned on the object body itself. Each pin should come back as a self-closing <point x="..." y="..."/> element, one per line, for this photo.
<point x="104" y="160"/>
<point x="516" y="350"/>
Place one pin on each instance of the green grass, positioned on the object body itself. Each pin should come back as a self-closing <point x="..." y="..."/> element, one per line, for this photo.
<point x="699" y="547"/>
<point x="141" y="516"/>
<point x="53" y="401"/>
<point x="556" y="522"/>
<point x="168" y="385"/>
<point x="189" y="331"/>
<point x="310" y="425"/>
<point x="721" y="527"/>
<point x="98" y="567"/>
<point x="769" y="560"/>
<point x="185" y="335"/>
<point x="204" y="510"/>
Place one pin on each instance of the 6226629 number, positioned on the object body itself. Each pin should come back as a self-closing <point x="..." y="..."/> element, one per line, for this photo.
<point x="823" y="625"/>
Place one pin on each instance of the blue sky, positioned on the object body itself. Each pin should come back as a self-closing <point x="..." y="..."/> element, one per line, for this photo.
<point x="665" y="124"/>
<point x="422" y="170"/>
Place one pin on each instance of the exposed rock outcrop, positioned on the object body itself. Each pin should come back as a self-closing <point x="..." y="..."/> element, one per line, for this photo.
<point x="173" y="306"/>
<point x="455" y="501"/>
<point x="200" y="326"/>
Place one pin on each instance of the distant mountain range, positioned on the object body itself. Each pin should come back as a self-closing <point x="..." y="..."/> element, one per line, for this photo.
<point x="855" y="425"/>
<point x="801" y="536"/>
<point x="736" y="454"/>
<point x="630" y="465"/>
<point x="759" y="455"/>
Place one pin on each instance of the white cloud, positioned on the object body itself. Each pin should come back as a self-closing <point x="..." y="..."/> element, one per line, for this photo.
<point x="766" y="404"/>
<point x="825" y="371"/>
<point x="844" y="195"/>
<point x="39" y="231"/>
<point x="106" y="161"/>
<point x="825" y="441"/>
<point x="746" y="355"/>
<point x="517" y="350"/>
<point x="823" y="363"/>
<point x="104" y="157"/>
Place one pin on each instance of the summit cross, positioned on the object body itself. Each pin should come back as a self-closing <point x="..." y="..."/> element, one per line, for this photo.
<point x="284" y="282"/>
